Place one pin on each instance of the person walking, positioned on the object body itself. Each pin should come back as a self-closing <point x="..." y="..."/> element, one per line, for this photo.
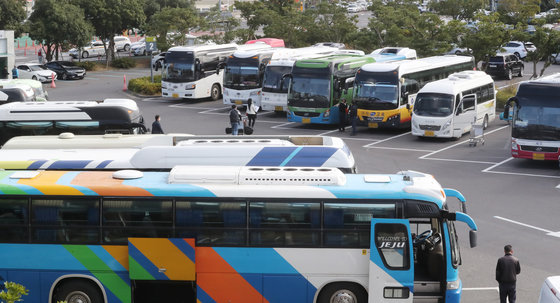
<point x="156" y="126"/>
<point x="15" y="73"/>
<point x="5" y="73"/>
<point x="251" y="112"/>
<point x="353" y="112"/>
<point x="507" y="270"/>
<point x="342" y="110"/>
<point x="234" y="119"/>
<point x="40" y="55"/>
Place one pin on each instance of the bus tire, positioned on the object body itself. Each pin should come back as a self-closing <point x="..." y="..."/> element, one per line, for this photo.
<point x="342" y="292"/>
<point x="215" y="92"/>
<point x="485" y="122"/>
<point x="79" y="290"/>
<point x="509" y="74"/>
<point x="520" y="72"/>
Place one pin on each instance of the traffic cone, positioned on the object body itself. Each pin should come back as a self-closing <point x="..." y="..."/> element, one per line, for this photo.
<point x="52" y="81"/>
<point x="125" y="88"/>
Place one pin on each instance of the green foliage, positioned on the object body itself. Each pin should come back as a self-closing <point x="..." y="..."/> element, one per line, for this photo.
<point x="518" y="11"/>
<point x="144" y="85"/>
<point x="547" y="42"/>
<point x="503" y="95"/>
<point x="124" y="62"/>
<point x="486" y="38"/>
<point x="58" y="22"/>
<point x="178" y="20"/>
<point x="13" y="292"/>
<point x="88" y="65"/>
<point x="458" y="9"/>
<point x="12" y="15"/>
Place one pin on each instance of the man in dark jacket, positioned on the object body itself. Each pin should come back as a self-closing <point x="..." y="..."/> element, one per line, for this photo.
<point x="234" y="119"/>
<point x="156" y="126"/>
<point x="507" y="270"/>
<point x="342" y="110"/>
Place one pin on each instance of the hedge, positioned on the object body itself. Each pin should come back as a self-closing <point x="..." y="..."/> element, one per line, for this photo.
<point x="144" y="85"/>
<point x="503" y="95"/>
<point x="124" y="62"/>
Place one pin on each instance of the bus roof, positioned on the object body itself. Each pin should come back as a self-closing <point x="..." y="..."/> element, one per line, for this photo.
<point x="247" y="53"/>
<point x="231" y="182"/>
<point x="457" y="82"/>
<point x="553" y="79"/>
<point x="203" y="47"/>
<point x="323" y="62"/>
<point x="409" y="66"/>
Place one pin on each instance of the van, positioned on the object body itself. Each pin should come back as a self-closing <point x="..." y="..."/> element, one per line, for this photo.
<point x="25" y="88"/>
<point x="550" y="290"/>
<point x="37" y="87"/>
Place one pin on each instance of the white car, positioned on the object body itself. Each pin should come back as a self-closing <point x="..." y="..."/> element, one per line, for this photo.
<point x="353" y="8"/>
<point x="519" y="49"/>
<point x="122" y="43"/>
<point x="138" y="48"/>
<point x="550" y="290"/>
<point x="92" y="49"/>
<point x="157" y="60"/>
<point x="35" y="71"/>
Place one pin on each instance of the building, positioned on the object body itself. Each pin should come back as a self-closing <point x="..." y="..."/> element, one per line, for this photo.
<point x="7" y="52"/>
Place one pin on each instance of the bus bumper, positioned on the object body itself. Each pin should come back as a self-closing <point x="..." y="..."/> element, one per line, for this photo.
<point x="454" y="295"/>
<point x="320" y="119"/>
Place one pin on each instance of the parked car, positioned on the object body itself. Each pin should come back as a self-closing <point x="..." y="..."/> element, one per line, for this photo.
<point x="92" y="49"/>
<point x="550" y="290"/>
<point x="66" y="70"/>
<point x="35" y="71"/>
<point x="157" y="60"/>
<point x="519" y="49"/>
<point x="505" y="65"/>
<point x="122" y="43"/>
<point x="459" y="50"/>
<point x="138" y="48"/>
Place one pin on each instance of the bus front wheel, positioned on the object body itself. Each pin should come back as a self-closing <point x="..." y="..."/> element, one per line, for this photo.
<point x="215" y="92"/>
<point x="343" y="293"/>
<point x="78" y="291"/>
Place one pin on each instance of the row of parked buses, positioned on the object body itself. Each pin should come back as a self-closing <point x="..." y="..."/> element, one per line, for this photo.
<point x="184" y="218"/>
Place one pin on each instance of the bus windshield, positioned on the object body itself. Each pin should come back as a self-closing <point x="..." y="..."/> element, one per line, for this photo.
<point x="179" y="67"/>
<point x="310" y="89"/>
<point x="273" y="78"/>
<point x="242" y="73"/>
<point x="537" y="122"/>
<point x="433" y="105"/>
<point x="376" y="91"/>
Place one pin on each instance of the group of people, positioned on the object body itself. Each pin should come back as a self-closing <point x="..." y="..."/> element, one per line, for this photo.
<point x="345" y="110"/>
<point x="236" y="120"/>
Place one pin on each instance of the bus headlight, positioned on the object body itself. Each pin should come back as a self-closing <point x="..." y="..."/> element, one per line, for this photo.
<point x="190" y="86"/>
<point x="327" y="113"/>
<point x="446" y="125"/>
<point x="255" y="93"/>
<point x="513" y="144"/>
<point x="415" y="124"/>
<point x="454" y="284"/>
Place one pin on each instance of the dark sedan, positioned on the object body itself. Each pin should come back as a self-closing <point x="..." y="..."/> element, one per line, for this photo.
<point x="66" y="70"/>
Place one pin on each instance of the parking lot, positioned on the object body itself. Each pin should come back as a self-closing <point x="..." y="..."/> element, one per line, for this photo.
<point x="513" y="201"/>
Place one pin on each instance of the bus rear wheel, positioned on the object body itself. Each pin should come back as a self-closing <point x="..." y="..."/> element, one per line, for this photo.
<point x="215" y="92"/>
<point x="485" y="122"/>
<point x="78" y="291"/>
<point x="343" y="293"/>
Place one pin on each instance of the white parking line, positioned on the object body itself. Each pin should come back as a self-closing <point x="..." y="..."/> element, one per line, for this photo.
<point x="387" y="139"/>
<point x="482" y="288"/>
<point x="399" y="148"/>
<point x="329" y="132"/>
<point x="211" y="112"/>
<point x="188" y="106"/>
<point x="281" y="126"/>
<point x="457" y="160"/>
<point x="548" y="232"/>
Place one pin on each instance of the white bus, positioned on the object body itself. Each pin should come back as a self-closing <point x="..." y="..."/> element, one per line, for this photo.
<point x="162" y="152"/>
<point x="82" y="117"/>
<point x="385" y="92"/>
<point x="274" y="95"/>
<point x="447" y="108"/>
<point x="191" y="72"/>
<point x="243" y="75"/>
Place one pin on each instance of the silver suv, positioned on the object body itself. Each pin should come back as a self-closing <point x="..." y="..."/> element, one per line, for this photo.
<point x="122" y="43"/>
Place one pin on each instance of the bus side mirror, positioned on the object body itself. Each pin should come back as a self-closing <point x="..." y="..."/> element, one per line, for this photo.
<point x="284" y="76"/>
<point x="506" y="112"/>
<point x="408" y="106"/>
<point x="220" y="66"/>
<point x="472" y="238"/>
<point x="348" y="82"/>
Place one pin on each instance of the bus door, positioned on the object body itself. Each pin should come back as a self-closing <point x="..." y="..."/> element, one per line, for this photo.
<point x="391" y="264"/>
<point x="162" y="270"/>
<point x="465" y="115"/>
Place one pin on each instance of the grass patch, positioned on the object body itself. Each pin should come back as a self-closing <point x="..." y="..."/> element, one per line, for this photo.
<point x="144" y="85"/>
<point x="124" y="62"/>
<point x="503" y="95"/>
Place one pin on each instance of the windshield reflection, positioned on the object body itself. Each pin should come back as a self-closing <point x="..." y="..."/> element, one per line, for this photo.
<point x="273" y="78"/>
<point x="306" y="91"/>
<point x="179" y="67"/>
<point x="371" y="95"/>
<point x="433" y="105"/>
<point x="242" y="77"/>
<point x="537" y="123"/>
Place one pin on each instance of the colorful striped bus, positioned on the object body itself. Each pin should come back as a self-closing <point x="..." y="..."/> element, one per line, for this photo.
<point x="230" y="234"/>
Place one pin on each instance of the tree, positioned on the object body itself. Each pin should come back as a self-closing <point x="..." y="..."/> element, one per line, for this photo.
<point x="399" y="23"/>
<point x="112" y="17"/>
<point x="13" y="292"/>
<point x="485" y="38"/>
<point x="12" y="15"/>
<point x="329" y="22"/>
<point x="58" y="23"/>
<point x="221" y="25"/>
<point x="153" y="6"/>
<point x="547" y="43"/>
<point x="517" y="11"/>
<point x="177" y="20"/>
<point x="458" y="9"/>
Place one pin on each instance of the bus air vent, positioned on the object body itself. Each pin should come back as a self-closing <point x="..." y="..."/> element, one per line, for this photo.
<point x="66" y="136"/>
<point x="257" y="175"/>
<point x="127" y="174"/>
<point x="24" y="174"/>
<point x="377" y="179"/>
<point x="277" y="142"/>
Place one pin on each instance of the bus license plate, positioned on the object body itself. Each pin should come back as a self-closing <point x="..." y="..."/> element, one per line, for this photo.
<point x="279" y="108"/>
<point x="305" y="120"/>
<point x="372" y="125"/>
<point x="175" y="95"/>
<point x="238" y="102"/>
<point x="538" y="156"/>
<point x="429" y="133"/>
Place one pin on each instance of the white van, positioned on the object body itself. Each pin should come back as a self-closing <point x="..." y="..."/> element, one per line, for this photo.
<point x="40" y="93"/>
<point x="447" y="108"/>
<point x="550" y="290"/>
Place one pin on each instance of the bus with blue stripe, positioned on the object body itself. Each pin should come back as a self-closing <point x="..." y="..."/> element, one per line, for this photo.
<point x="317" y="85"/>
<point x="163" y="152"/>
<point x="230" y="234"/>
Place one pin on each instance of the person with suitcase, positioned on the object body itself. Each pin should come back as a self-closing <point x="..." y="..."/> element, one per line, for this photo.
<point x="234" y="120"/>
